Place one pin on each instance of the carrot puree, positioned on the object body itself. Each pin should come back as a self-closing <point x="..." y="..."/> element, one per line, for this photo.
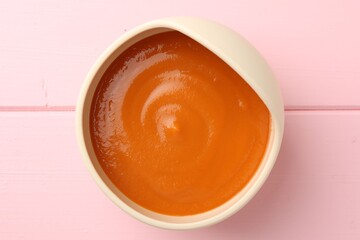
<point x="175" y="128"/>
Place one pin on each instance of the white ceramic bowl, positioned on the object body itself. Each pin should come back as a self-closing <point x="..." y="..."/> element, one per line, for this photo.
<point x="238" y="54"/>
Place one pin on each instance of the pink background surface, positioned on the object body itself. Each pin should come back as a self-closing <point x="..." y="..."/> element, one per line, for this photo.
<point x="46" y="49"/>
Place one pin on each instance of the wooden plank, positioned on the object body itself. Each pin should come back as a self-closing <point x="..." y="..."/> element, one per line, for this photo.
<point x="312" y="193"/>
<point x="46" y="48"/>
<point x="41" y="142"/>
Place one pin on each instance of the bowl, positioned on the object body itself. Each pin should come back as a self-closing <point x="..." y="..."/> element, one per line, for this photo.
<point x="240" y="55"/>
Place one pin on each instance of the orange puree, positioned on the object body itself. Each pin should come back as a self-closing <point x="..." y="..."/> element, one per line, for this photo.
<point x="175" y="128"/>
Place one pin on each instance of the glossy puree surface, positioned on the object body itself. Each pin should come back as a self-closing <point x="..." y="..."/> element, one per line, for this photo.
<point x="175" y="128"/>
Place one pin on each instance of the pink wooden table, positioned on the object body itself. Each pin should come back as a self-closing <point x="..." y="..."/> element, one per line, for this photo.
<point x="46" y="49"/>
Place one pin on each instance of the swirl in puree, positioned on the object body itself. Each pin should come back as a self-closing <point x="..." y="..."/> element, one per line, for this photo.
<point x="176" y="129"/>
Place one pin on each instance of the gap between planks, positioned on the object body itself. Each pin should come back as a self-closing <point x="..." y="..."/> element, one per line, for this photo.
<point x="73" y="108"/>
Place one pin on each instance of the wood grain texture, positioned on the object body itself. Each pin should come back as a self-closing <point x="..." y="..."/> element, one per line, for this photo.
<point x="312" y="193"/>
<point x="47" y="47"/>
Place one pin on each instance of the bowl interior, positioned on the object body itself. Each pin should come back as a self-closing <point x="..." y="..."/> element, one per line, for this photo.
<point x="117" y="196"/>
